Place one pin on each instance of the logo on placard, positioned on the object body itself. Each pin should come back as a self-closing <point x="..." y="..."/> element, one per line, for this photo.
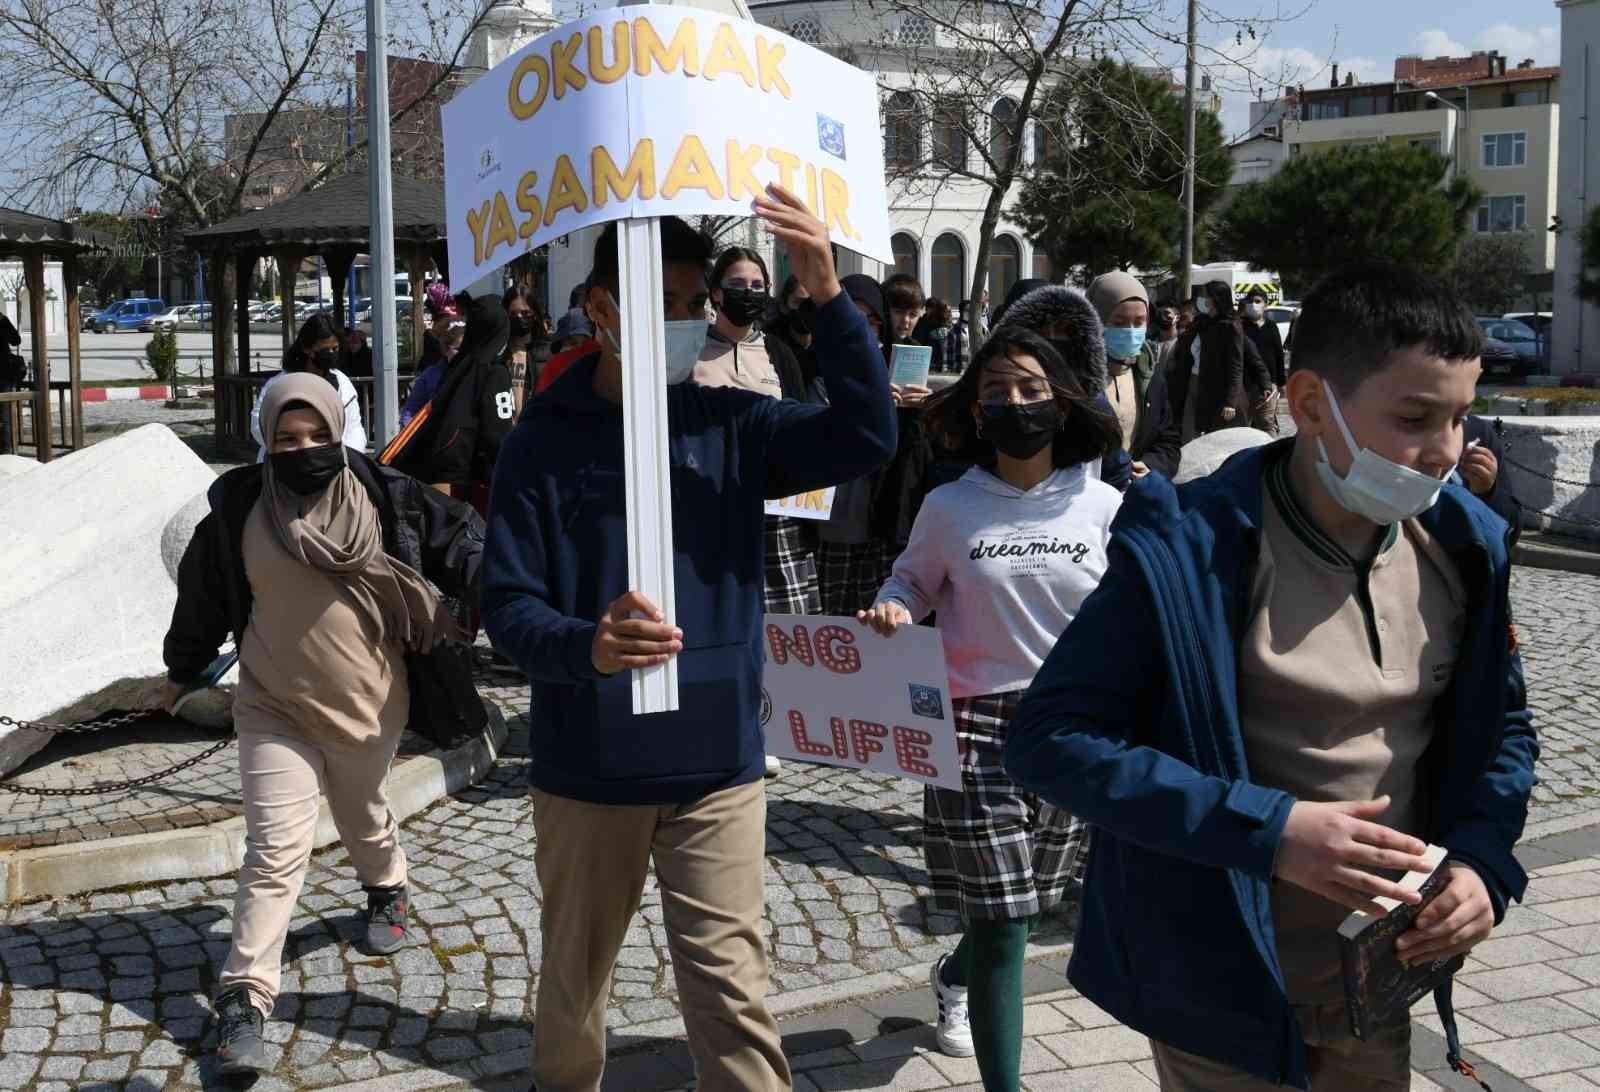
<point x="830" y="135"/>
<point x="488" y="161"/>
<point x="927" y="701"/>
<point x="766" y="708"/>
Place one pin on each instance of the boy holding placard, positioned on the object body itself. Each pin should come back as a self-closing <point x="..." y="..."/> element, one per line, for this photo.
<point x="612" y="790"/>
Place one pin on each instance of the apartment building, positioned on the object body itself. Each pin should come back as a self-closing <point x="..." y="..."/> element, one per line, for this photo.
<point x="1497" y="123"/>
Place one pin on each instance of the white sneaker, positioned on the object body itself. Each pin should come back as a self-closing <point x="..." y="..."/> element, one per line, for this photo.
<point x="954" y="1033"/>
<point x="774" y="767"/>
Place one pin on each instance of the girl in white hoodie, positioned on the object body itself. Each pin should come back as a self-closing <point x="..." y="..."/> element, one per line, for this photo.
<point x="1005" y="555"/>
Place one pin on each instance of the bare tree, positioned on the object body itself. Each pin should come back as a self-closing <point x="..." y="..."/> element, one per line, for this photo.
<point x="108" y="103"/>
<point x="964" y="84"/>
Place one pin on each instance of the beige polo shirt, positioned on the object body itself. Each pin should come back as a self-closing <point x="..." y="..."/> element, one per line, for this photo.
<point x="1123" y="394"/>
<point x="1339" y="669"/>
<point x="746" y="365"/>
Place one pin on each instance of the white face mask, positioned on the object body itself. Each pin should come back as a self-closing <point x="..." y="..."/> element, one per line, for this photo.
<point x="1202" y="305"/>
<point x="1254" y="310"/>
<point x="1375" y="488"/>
<point x="685" y="340"/>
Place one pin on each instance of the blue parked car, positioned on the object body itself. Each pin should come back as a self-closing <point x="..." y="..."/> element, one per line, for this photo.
<point x="126" y="315"/>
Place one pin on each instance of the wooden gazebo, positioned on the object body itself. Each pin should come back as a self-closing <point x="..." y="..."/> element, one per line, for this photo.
<point x="36" y="239"/>
<point x="331" y="221"/>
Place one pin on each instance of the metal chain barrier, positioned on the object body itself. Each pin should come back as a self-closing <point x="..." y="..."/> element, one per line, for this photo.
<point x="103" y="787"/>
<point x="1506" y="444"/>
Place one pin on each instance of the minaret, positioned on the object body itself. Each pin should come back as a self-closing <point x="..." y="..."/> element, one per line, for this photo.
<point x="506" y="28"/>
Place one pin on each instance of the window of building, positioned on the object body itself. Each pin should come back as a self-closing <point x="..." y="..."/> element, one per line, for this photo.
<point x="1044" y="138"/>
<point x="806" y="29"/>
<point x="902" y="131"/>
<point x="1321" y="111"/>
<point x="1005" y="266"/>
<point x="1505" y="149"/>
<point x="1043" y="267"/>
<point x="949" y="269"/>
<point x="905" y="254"/>
<point x="1363" y="106"/>
<point x="915" y="31"/>
<point x="1002" y="130"/>
<point x="950" y="137"/>
<point x="1536" y="96"/>
<point x="1431" y="143"/>
<point x="1508" y="213"/>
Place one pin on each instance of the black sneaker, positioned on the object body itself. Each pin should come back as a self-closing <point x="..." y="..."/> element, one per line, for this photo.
<point x="240" y="1047"/>
<point x="387" y="908"/>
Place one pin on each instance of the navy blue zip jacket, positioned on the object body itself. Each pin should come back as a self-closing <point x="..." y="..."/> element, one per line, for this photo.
<point x="556" y="558"/>
<point x="1132" y="724"/>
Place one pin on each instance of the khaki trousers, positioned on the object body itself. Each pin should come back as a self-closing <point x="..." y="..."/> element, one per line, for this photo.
<point x="284" y="776"/>
<point x="710" y="859"/>
<point x="1339" y="1061"/>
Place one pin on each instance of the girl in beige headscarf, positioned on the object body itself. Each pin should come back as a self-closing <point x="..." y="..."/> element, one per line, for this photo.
<point x="324" y="615"/>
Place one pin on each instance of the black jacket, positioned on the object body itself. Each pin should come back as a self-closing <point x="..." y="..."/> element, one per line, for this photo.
<point x="1157" y="438"/>
<point x="1269" y="343"/>
<point x="439" y="537"/>
<point x="1232" y="374"/>
<point x="473" y="409"/>
<point x="1503" y="502"/>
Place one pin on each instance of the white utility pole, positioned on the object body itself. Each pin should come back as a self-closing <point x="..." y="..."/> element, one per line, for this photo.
<point x="1187" y="259"/>
<point x="380" y="202"/>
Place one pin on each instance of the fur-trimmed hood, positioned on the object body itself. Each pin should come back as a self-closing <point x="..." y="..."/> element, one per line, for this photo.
<point x="1054" y="303"/>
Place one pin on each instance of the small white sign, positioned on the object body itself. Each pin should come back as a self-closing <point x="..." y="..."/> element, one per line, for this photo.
<point x="817" y="504"/>
<point x="835" y="692"/>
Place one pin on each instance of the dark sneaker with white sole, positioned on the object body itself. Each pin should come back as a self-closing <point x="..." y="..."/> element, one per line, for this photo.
<point x="240" y="1046"/>
<point x="387" y="928"/>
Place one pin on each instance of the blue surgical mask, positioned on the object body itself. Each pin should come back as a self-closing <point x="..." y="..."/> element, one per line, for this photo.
<point x="1202" y="305"/>
<point x="1124" y="342"/>
<point x="686" y="339"/>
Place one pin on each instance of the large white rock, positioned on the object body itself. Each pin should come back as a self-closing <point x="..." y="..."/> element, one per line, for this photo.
<point x="85" y="594"/>
<point x="1205" y="453"/>
<point x="1540" y="449"/>
<point x="12" y="465"/>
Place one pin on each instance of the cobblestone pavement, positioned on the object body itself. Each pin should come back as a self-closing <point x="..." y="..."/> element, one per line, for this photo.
<point x="204" y="793"/>
<point x="113" y="988"/>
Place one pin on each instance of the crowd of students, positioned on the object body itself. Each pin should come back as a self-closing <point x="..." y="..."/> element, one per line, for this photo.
<point x="1262" y="692"/>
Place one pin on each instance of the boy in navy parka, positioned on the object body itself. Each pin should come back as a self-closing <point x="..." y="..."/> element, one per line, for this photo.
<point x="613" y="792"/>
<point x="1327" y="678"/>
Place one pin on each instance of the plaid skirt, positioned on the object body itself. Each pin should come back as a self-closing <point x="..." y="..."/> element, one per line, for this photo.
<point x="993" y="851"/>
<point x="791" y="585"/>
<point x="852" y="575"/>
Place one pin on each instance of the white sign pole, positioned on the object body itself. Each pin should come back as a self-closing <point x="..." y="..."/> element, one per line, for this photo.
<point x="648" y="471"/>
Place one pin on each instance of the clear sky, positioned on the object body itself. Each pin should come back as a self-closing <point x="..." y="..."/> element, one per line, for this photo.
<point x="1365" y="36"/>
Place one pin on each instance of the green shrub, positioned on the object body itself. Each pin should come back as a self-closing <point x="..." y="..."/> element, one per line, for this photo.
<point x="161" y="356"/>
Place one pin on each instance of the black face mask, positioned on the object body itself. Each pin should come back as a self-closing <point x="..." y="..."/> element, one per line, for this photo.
<point x="308" y="470"/>
<point x="1021" y="431"/>
<point x="803" y="318"/>
<point x="743" y="305"/>
<point x="521" y="325"/>
<point x="323" y="359"/>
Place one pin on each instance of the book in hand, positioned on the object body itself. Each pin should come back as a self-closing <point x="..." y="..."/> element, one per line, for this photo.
<point x="208" y="678"/>
<point x="1378" y="987"/>
<point x="909" y="365"/>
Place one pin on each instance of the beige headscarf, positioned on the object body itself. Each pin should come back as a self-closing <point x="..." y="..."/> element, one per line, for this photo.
<point x="338" y="530"/>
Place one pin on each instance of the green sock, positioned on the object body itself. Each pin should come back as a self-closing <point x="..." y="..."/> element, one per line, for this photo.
<point x="994" y="999"/>
<point x="954" y="971"/>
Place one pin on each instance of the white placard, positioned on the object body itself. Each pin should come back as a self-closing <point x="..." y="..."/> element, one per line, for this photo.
<point x="651" y="110"/>
<point x="835" y="692"/>
<point x="817" y="504"/>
